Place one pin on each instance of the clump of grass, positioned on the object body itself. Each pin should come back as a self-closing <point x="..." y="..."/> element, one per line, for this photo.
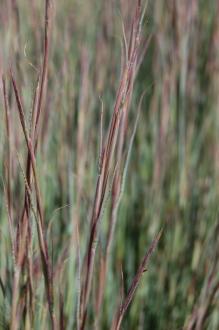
<point x="22" y="239"/>
<point x="87" y="185"/>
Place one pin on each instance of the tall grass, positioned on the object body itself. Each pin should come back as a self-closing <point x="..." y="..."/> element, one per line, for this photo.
<point x="109" y="154"/>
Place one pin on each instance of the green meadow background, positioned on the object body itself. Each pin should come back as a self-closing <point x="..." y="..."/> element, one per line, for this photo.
<point x="172" y="179"/>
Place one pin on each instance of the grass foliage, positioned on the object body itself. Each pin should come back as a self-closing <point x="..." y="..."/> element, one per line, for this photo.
<point x="109" y="164"/>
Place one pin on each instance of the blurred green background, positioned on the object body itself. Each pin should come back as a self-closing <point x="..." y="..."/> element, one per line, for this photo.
<point x="173" y="174"/>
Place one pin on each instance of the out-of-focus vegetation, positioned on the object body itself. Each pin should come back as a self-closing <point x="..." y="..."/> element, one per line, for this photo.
<point x="163" y="171"/>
